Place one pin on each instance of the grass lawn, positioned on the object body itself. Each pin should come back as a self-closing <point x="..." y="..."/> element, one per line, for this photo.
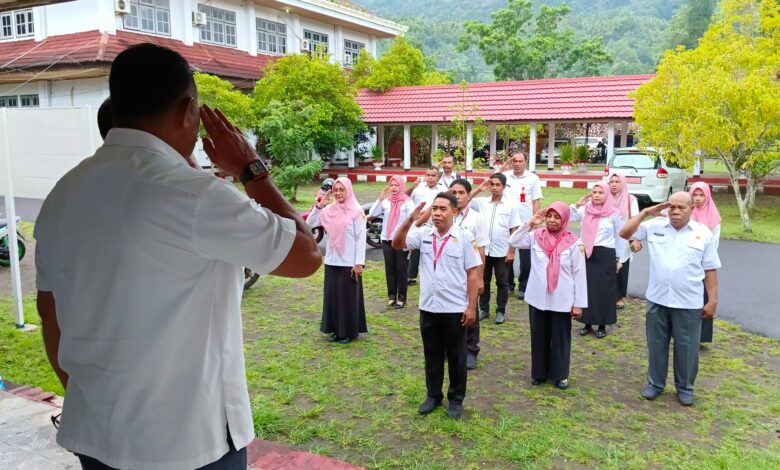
<point x="358" y="402"/>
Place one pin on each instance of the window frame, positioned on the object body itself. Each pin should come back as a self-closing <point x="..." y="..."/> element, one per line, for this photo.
<point x="279" y="36"/>
<point x="9" y="20"/>
<point x="208" y="33"/>
<point x="352" y="51"/>
<point x="134" y="21"/>
<point x="314" y="42"/>
<point x="34" y="103"/>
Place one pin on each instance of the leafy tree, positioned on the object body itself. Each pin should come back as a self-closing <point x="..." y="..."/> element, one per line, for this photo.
<point x="304" y="104"/>
<point x="722" y="98"/>
<point x="402" y="65"/>
<point x="521" y="47"/>
<point x="219" y="93"/>
<point x="689" y="23"/>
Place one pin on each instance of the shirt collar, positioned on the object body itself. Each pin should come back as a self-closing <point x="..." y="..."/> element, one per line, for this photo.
<point x="124" y="137"/>
<point x="671" y="227"/>
<point x="452" y="231"/>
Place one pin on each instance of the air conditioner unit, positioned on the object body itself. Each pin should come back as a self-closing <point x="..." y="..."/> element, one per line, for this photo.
<point x="199" y="18"/>
<point x="122" y="6"/>
<point x="348" y="60"/>
<point x="305" y="45"/>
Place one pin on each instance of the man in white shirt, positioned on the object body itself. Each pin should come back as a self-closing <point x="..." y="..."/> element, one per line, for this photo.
<point x="682" y="253"/>
<point x="448" y="296"/>
<point x="501" y="214"/>
<point x="422" y="193"/>
<point x="447" y="176"/>
<point x="525" y="188"/>
<point x="139" y="274"/>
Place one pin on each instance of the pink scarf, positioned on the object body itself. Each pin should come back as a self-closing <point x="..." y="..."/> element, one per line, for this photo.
<point x="554" y="243"/>
<point x="622" y="200"/>
<point x="593" y="213"/>
<point x="708" y="214"/>
<point x="396" y="202"/>
<point x="338" y="215"/>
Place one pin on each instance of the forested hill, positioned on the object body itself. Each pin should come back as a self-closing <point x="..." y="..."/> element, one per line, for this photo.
<point x="635" y="32"/>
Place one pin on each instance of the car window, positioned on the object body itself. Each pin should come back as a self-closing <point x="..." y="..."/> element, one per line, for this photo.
<point x="640" y="161"/>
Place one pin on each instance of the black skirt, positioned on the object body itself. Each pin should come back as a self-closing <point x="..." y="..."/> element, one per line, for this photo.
<point x="602" y="286"/>
<point x="622" y="280"/>
<point x="343" y="309"/>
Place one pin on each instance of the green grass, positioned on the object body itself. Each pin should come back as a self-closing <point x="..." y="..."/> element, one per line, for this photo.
<point x="357" y="402"/>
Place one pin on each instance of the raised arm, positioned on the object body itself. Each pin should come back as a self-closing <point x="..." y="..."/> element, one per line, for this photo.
<point x="399" y="240"/>
<point x="632" y="224"/>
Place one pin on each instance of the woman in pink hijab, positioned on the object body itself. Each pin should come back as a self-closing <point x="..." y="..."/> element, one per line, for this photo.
<point x="705" y="212"/>
<point x="394" y="206"/>
<point x="601" y="223"/>
<point x="343" y="309"/>
<point x="557" y="290"/>
<point x="628" y="207"/>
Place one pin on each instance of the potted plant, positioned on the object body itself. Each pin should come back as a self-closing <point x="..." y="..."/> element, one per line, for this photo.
<point x="378" y="156"/>
<point x="583" y="155"/>
<point x="567" y="155"/>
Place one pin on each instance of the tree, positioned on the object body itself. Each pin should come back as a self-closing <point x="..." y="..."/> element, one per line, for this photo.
<point x="219" y="93"/>
<point x="722" y="98"/>
<point x="689" y="23"/>
<point x="402" y="65"/>
<point x="302" y="104"/>
<point x="521" y="47"/>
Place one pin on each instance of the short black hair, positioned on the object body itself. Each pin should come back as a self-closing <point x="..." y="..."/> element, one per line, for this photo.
<point x="104" y="120"/>
<point x="432" y="168"/>
<point x="146" y="80"/>
<point x="448" y="196"/>
<point x="463" y="182"/>
<point x="499" y="177"/>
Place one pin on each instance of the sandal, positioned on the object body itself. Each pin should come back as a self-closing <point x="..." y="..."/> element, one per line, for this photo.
<point x="620" y="306"/>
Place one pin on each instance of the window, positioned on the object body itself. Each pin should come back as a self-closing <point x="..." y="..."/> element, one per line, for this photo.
<point x="315" y="40"/>
<point x="29" y="101"/>
<point x="220" y="28"/>
<point x="16" y="24"/>
<point x="352" y="50"/>
<point x="9" y="101"/>
<point x="13" y="101"/>
<point x="271" y="37"/>
<point x="151" y="16"/>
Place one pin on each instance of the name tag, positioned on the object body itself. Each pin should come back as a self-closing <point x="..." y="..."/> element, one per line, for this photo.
<point x="427" y="242"/>
<point x="659" y="234"/>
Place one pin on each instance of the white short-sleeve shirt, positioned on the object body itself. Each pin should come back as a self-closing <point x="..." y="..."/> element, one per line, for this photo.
<point x="525" y="190"/>
<point x="444" y="287"/>
<point x="381" y="208"/>
<point x="499" y="218"/>
<point x="472" y="221"/>
<point x="144" y="258"/>
<point x="426" y="194"/>
<point x="608" y="233"/>
<point x="678" y="259"/>
<point x="354" y="252"/>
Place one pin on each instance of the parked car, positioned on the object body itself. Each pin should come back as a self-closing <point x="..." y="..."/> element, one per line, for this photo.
<point x="590" y="141"/>
<point x="650" y="178"/>
<point x="557" y="154"/>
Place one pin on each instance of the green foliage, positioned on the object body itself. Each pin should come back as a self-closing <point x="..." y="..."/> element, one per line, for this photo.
<point x="402" y="65"/>
<point x="582" y="153"/>
<point x="689" y="23"/>
<point x="724" y="97"/>
<point x="464" y="114"/>
<point x="219" y="93"/>
<point x="377" y="153"/>
<point x="289" y="178"/>
<point x="521" y="47"/>
<point x="567" y="153"/>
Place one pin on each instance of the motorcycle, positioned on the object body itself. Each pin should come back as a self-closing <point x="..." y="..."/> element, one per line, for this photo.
<point x="373" y="228"/>
<point x="5" y="251"/>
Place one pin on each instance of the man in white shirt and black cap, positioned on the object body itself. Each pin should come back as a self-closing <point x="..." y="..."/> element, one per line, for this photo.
<point x="141" y="313"/>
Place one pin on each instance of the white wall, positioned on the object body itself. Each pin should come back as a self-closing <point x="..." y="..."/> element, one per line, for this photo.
<point x="83" y="92"/>
<point x="73" y="17"/>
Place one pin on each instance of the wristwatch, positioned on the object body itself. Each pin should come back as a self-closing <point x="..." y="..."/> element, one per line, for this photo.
<point x="255" y="170"/>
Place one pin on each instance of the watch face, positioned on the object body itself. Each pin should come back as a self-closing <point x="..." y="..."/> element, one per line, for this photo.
<point x="257" y="167"/>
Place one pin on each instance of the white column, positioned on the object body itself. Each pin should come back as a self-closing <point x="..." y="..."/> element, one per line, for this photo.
<point x="10" y="214"/>
<point x="407" y="147"/>
<point x="338" y="45"/>
<point x="434" y="140"/>
<point x="296" y="36"/>
<point x="493" y="138"/>
<point x="532" y="146"/>
<point x="371" y="45"/>
<point x="551" y="147"/>
<point x="351" y="157"/>
<point x="39" y="21"/>
<point x="469" y="146"/>
<point x="188" y="31"/>
<point x="251" y="14"/>
<point x="624" y="134"/>
<point x="380" y="137"/>
<point x="610" y="140"/>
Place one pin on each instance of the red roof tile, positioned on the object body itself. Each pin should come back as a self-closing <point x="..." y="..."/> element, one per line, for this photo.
<point x="94" y="47"/>
<point x="529" y="100"/>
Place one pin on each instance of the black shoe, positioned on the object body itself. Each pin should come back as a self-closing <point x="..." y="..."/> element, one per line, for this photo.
<point x="400" y="304"/>
<point x="650" y="392"/>
<point x="586" y="330"/>
<point x="499" y="318"/>
<point x="562" y="384"/>
<point x="521" y="294"/>
<point x="685" y="399"/>
<point x="429" y="405"/>
<point x="454" y="410"/>
<point x="345" y="340"/>
<point x="535" y="381"/>
<point x="333" y="338"/>
<point x="600" y="333"/>
<point x="412" y="281"/>
<point x="483" y="315"/>
<point x="471" y="361"/>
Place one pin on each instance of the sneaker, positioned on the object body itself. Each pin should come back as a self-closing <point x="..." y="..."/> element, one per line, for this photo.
<point x="429" y="405"/>
<point x="454" y="410"/>
<point x="471" y="361"/>
<point x="412" y="281"/>
<point x="650" y="392"/>
<point x="521" y="294"/>
<point x="499" y="318"/>
<point x="483" y="315"/>
<point x="562" y="384"/>
<point x="685" y="399"/>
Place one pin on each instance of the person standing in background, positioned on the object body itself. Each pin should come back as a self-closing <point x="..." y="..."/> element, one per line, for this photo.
<point x="627" y="206"/>
<point x="447" y="176"/>
<point x="705" y="212"/>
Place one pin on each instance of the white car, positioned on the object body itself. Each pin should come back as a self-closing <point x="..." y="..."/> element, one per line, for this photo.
<point x="557" y="154"/>
<point x="650" y="178"/>
<point x="591" y="141"/>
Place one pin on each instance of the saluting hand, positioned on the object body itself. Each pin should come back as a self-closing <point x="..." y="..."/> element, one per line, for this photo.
<point x="417" y="182"/>
<point x="325" y="200"/>
<point x="656" y="210"/>
<point x="469" y="318"/>
<point x="385" y="193"/>
<point x="417" y="211"/>
<point x="226" y="147"/>
<point x="538" y="218"/>
<point x="583" y="200"/>
<point x="576" y="312"/>
<point x="485" y="186"/>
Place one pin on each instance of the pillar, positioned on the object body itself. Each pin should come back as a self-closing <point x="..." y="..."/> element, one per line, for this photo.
<point x="351" y="157"/>
<point x="493" y="139"/>
<point x="296" y="36"/>
<point x="434" y="140"/>
<point x="532" y="146"/>
<point x="10" y="214"/>
<point x="407" y="147"/>
<point x="551" y="146"/>
<point x="624" y="134"/>
<point x="469" y="146"/>
<point x="380" y="137"/>
<point x="610" y="140"/>
<point x="251" y="14"/>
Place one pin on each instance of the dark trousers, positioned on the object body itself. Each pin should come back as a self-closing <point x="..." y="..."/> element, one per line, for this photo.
<point x="414" y="264"/>
<point x="707" y="324"/>
<point x="550" y="344"/>
<point x="661" y="325"/>
<point x="499" y="266"/>
<point x="233" y="460"/>
<point x="396" y="271"/>
<point x="524" y="256"/>
<point x="622" y="279"/>
<point x="443" y="334"/>
<point x="472" y="338"/>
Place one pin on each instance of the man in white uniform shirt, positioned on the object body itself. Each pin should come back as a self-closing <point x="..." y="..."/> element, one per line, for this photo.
<point x="682" y="253"/>
<point x="524" y="187"/>
<point x="448" y="298"/>
<point x="422" y="193"/>
<point x="447" y="176"/>
<point x="139" y="274"/>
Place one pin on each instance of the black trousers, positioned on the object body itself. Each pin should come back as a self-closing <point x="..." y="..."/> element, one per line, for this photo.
<point x="472" y="338"/>
<point x="524" y="256"/>
<point x="497" y="265"/>
<point x="622" y="279"/>
<point x="550" y="344"/>
<point x="708" y="324"/>
<point x="414" y="263"/>
<point x="443" y="334"/>
<point x="396" y="271"/>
